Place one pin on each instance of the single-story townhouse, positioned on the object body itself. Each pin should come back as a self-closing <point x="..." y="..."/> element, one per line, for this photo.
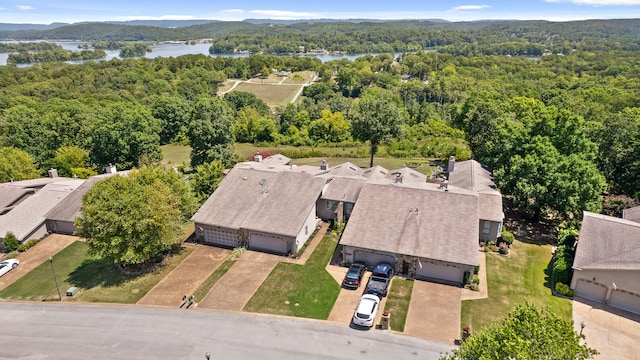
<point x="60" y="219"/>
<point x="607" y="261"/>
<point x="425" y="230"/>
<point x="428" y="230"/>
<point x="25" y="216"/>
<point x="261" y="208"/>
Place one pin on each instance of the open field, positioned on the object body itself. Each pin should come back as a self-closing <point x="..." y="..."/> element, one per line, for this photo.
<point x="299" y="290"/>
<point x="272" y="95"/>
<point x="175" y="155"/>
<point x="97" y="279"/>
<point x="523" y="276"/>
<point x="299" y="77"/>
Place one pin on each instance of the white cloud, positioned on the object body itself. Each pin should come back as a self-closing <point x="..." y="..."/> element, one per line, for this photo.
<point x="283" y="14"/>
<point x="470" y="7"/>
<point x="26" y="7"/>
<point x="599" y="2"/>
<point x="163" y="17"/>
<point x="231" y="11"/>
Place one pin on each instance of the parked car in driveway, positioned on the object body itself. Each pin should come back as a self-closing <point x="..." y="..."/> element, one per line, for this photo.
<point x="353" y="278"/>
<point x="366" y="311"/>
<point x="8" y="265"/>
<point x="380" y="279"/>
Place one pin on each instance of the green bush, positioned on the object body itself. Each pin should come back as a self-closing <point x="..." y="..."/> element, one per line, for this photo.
<point x="465" y="278"/>
<point x="507" y="237"/>
<point x="476" y="269"/>
<point x="476" y="280"/>
<point x="561" y="271"/>
<point x="27" y="245"/>
<point x="563" y="289"/>
<point x="11" y="243"/>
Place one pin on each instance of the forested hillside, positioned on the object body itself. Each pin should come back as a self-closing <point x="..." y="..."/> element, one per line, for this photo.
<point x="558" y="130"/>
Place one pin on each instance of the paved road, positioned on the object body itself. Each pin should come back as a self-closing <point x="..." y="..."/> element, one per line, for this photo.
<point x="61" y="331"/>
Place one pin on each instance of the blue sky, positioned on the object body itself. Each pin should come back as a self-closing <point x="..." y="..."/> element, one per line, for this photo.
<point x="48" y="11"/>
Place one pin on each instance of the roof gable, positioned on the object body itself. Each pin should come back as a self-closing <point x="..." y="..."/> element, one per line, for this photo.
<point x="608" y="243"/>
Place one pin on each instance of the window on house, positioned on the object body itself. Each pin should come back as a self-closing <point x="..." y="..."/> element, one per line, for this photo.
<point x="486" y="227"/>
<point x="330" y="205"/>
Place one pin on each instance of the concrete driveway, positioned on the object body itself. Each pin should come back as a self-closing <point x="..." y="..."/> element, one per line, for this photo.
<point x="347" y="300"/>
<point x="36" y="255"/>
<point x="614" y="333"/>
<point x="236" y="287"/>
<point x="434" y="312"/>
<point x="186" y="277"/>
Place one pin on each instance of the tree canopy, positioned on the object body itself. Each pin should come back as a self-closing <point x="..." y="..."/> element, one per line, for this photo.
<point x="210" y="132"/>
<point x="526" y="333"/>
<point x="16" y="164"/>
<point x="133" y="220"/>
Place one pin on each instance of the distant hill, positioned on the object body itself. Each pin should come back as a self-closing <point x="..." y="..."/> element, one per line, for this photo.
<point x="163" y="23"/>
<point x="18" y="27"/>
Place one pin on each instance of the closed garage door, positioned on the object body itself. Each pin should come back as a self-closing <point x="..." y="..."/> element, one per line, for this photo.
<point x="625" y="300"/>
<point x="373" y="258"/>
<point x="444" y="272"/>
<point x="270" y="243"/>
<point x="591" y="290"/>
<point x="222" y="237"/>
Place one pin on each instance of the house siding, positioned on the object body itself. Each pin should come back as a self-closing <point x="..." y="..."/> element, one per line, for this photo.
<point x="493" y="230"/>
<point x="624" y="280"/>
<point x="307" y="229"/>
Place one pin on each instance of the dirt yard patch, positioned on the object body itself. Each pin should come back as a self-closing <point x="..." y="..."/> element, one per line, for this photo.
<point x="35" y="256"/>
<point x="186" y="277"/>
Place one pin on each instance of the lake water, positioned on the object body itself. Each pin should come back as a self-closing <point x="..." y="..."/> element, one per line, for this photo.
<point x="171" y="50"/>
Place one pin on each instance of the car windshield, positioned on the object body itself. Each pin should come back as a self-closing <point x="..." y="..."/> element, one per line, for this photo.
<point x="353" y="272"/>
<point x="3" y="266"/>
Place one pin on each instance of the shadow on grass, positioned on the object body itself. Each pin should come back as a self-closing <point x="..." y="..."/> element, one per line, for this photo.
<point x="548" y="275"/>
<point x="97" y="272"/>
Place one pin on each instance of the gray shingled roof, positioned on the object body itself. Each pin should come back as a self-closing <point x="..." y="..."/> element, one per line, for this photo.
<point x="408" y="175"/>
<point x="632" y="214"/>
<point x="259" y="200"/>
<point x="472" y="175"/>
<point x="69" y="208"/>
<point x="29" y="214"/>
<point x="9" y="195"/>
<point x="376" y="172"/>
<point x="416" y="219"/>
<point x="608" y="243"/>
<point x="343" y="189"/>
<point x="344" y="169"/>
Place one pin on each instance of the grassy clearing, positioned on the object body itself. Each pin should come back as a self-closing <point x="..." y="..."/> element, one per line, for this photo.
<point x="206" y="286"/>
<point x="307" y="291"/>
<point x="175" y="155"/>
<point x="273" y="95"/>
<point x="524" y="276"/>
<point x="300" y="77"/>
<point x="397" y="303"/>
<point x="97" y="279"/>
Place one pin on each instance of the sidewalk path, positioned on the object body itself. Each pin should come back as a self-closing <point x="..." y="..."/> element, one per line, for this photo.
<point x="483" y="293"/>
<point x="186" y="277"/>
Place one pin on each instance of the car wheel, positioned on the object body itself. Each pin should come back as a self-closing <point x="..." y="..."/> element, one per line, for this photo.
<point x="14" y="266"/>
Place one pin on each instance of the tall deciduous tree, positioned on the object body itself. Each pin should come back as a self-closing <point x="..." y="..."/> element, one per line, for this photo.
<point x="210" y="131"/>
<point x="526" y="333"/>
<point x="207" y="178"/>
<point x="375" y="119"/>
<point x="16" y="164"/>
<point x="132" y="220"/>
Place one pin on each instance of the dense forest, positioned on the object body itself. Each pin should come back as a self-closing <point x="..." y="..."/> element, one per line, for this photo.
<point x="559" y="130"/>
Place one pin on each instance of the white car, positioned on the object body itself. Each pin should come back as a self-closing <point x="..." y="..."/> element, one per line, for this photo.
<point x="366" y="311"/>
<point x="8" y="265"/>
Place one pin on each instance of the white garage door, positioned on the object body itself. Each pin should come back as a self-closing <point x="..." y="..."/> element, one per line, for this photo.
<point x="440" y="271"/>
<point x="222" y="237"/>
<point x="270" y="243"/>
<point x="373" y="258"/>
<point x="625" y="300"/>
<point x="591" y="290"/>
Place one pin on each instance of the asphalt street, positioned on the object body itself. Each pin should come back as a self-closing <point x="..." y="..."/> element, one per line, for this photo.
<point x="77" y="331"/>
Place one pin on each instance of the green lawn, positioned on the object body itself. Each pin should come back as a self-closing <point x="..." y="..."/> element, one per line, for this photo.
<point x="397" y="303"/>
<point x="176" y="155"/>
<point x="97" y="279"/>
<point x="299" y="290"/>
<point x="523" y="276"/>
<point x="272" y="95"/>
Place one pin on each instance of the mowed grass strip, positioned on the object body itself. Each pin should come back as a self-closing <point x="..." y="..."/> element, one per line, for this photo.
<point x="307" y="290"/>
<point x="273" y="95"/>
<point x="97" y="279"/>
<point x="397" y="303"/>
<point x="523" y="276"/>
<point x="206" y="286"/>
